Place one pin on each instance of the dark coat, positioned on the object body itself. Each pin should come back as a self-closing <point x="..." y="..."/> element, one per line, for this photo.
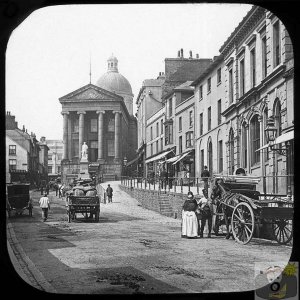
<point x="109" y="192"/>
<point x="190" y="205"/>
<point x="205" y="173"/>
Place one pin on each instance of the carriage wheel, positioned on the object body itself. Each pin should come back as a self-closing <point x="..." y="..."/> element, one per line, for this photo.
<point x="242" y="223"/>
<point x="282" y="230"/>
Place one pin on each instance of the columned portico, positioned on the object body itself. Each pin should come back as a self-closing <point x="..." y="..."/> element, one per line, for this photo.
<point x="81" y="130"/>
<point x="100" y="135"/>
<point x="65" y="134"/>
<point x="117" y="134"/>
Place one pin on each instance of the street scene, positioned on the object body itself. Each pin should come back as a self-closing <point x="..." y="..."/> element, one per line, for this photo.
<point x="151" y="182"/>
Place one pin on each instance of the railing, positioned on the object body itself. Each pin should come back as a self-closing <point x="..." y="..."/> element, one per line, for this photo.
<point x="280" y="184"/>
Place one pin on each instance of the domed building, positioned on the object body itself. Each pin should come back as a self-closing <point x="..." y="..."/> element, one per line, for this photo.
<point x="101" y="116"/>
<point x="115" y="82"/>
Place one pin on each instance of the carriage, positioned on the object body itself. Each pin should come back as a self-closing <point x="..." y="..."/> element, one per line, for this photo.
<point x="248" y="211"/>
<point x="84" y="200"/>
<point x="18" y="198"/>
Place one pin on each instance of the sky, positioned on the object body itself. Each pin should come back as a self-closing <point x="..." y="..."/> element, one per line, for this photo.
<point x="49" y="54"/>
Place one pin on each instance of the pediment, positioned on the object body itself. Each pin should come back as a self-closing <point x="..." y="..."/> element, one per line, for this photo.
<point x="91" y="92"/>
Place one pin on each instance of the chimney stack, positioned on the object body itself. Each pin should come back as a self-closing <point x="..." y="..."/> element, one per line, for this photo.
<point x="197" y="55"/>
<point x="23" y="129"/>
<point x="191" y="54"/>
<point x="181" y="53"/>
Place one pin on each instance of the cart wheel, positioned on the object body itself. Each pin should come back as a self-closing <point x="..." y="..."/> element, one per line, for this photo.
<point x="282" y="230"/>
<point x="242" y="223"/>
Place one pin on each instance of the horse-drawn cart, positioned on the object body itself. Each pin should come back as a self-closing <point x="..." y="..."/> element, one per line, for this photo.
<point x="239" y="204"/>
<point x="18" y="198"/>
<point x="83" y="200"/>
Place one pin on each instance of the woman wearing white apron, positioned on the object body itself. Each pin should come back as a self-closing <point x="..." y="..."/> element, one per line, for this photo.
<point x="189" y="225"/>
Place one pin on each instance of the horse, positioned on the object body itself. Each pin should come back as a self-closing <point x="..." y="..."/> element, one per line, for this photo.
<point x="222" y="196"/>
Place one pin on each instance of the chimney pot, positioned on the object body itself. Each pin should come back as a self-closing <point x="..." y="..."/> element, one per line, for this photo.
<point x="181" y="52"/>
<point x="191" y="54"/>
<point x="197" y="55"/>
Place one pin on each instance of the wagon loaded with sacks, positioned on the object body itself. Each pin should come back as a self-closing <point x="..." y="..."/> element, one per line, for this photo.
<point x="239" y="204"/>
<point x="83" y="200"/>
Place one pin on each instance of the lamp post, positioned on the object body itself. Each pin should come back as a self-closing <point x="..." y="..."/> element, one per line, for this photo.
<point x="271" y="132"/>
<point x="124" y="165"/>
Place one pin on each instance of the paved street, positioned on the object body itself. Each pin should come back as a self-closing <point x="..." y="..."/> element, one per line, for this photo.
<point x="130" y="250"/>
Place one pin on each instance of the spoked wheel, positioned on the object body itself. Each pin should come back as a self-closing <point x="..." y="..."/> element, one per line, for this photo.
<point x="282" y="230"/>
<point x="242" y="223"/>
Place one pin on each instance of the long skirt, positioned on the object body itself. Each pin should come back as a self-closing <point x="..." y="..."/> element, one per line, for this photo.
<point x="189" y="226"/>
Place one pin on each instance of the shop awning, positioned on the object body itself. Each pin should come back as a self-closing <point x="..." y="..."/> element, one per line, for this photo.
<point x="157" y="157"/>
<point x="281" y="139"/>
<point x="172" y="159"/>
<point x="181" y="157"/>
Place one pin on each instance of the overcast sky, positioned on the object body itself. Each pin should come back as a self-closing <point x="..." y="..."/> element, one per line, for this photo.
<point x="48" y="54"/>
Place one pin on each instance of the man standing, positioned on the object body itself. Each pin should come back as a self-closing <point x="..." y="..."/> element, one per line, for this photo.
<point x="205" y="176"/>
<point x="45" y="205"/>
<point x="164" y="178"/>
<point x="206" y="210"/>
<point x="109" y="193"/>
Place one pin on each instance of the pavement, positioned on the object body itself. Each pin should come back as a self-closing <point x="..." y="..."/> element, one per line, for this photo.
<point x="131" y="250"/>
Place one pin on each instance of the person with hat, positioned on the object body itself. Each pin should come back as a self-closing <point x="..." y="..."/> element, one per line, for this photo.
<point x="206" y="210"/>
<point x="45" y="205"/>
<point x="189" y="225"/>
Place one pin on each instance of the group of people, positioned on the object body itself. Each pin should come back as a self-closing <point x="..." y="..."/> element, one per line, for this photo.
<point x="195" y="212"/>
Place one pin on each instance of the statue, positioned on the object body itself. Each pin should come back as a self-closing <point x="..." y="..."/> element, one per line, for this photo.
<point x="84" y="148"/>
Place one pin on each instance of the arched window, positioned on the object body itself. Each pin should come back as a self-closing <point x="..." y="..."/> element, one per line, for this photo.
<point x="231" y="151"/>
<point x="210" y="157"/>
<point x="244" y="145"/>
<point x="255" y="140"/>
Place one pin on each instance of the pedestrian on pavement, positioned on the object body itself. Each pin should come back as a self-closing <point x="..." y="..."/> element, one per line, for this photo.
<point x="163" y="178"/>
<point x="59" y="190"/>
<point x="45" y="205"/>
<point x="205" y="176"/>
<point x="189" y="225"/>
<point x="206" y="210"/>
<point x="56" y="189"/>
<point x="109" y="193"/>
<point x="47" y="188"/>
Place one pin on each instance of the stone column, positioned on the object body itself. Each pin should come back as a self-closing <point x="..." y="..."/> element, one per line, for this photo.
<point x="65" y="134"/>
<point x="69" y="138"/>
<point x="117" y="135"/>
<point x="100" y="135"/>
<point x="81" y="130"/>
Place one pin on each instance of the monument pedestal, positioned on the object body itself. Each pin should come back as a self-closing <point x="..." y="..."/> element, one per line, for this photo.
<point x="84" y="169"/>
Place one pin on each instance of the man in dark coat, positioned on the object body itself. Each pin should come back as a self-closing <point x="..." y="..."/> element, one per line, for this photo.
<point x="205" y="176"/>
<point x="109" y="193"/>
<point x="163" y="178"/>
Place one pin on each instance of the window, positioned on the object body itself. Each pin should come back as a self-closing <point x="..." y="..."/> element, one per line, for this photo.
<point x="110" y="148"/>
<point x="59" y="156"/>
<point x="168" y="134"/>
<point x="161" y="126"/>
<point x="12" y="164"/>
<point x="170" y="107"/>
<point x="161" y="144"/>
<point x="209" y="118"/>
<point x="94" y="144"/>
<point x="219" y="79"/>
<point x="231" y="152"/>
<point x="157" y="129"/>
<point x="244" y="145"/>
<point x="208" y="85"/>
<point x="264" y="56"/>
<point x="191" y="118"/>
<point x="201" y="91"/>
<point x="12" y="150"/>
<point x="151" y="133"/>
<point x="265" y="135"/>
<point x="252" y="67"/>
<point x="111" y="124"/>
<point x="157" y="146"/>
<point x="76" y="125"/>
<point x="219" y="112"/>
<point x="242" y="77"/>
<point x="189" y="139"/>
<point x="58" y="169"/>
<point x="180" y="123"/>
<point x="201" y="123"/>
<point x="277" y="117"/>
<point x="202" y="159"/>
<point x="210" y="157"/>
<point x="220" y="156"/>
<point x="255" y="140"/>
<point x="49" y="169"/>
<point x="230" y="82"/>
<point x="151" y="148"/>
<point x="94" y="125"/>
<point x="180" y="144"/>
<point x="49" y="156"/>
<point x="276" y="44"/>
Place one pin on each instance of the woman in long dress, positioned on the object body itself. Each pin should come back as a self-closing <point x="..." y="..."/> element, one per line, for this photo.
<point x="189" y="226"/>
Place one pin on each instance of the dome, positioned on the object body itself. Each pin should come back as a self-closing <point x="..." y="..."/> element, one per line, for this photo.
<point x="113" y="81"/>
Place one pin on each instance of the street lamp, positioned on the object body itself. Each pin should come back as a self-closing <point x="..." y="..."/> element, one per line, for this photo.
<point x="271" y="132"/>
<point x="124" y="164"/>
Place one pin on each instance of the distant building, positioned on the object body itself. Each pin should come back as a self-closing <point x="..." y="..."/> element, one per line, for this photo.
<point x="26" y="158"/>
<point x="55" y="155"/>
<point x="101" y="116"/>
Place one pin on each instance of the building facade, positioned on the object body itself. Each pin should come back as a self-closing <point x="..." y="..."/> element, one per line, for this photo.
<point x="99" y="118"/>
<point x="55" y="155"/>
